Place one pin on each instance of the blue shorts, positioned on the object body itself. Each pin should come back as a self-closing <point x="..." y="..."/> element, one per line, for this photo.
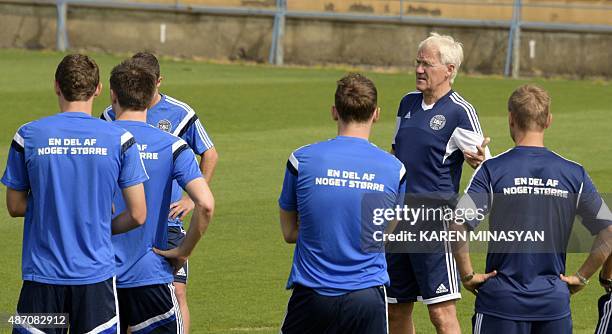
<point x="149" y="309"/>
<point x="605" y="312"/>
<point x="428" y="277"/>
<point x="176" y="234"/>
<point x="357" y="312"/>
<point x="90" y="307"/>
<point x="487" y="324"/>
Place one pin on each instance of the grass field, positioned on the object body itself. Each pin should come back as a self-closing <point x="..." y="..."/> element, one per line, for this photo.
<point x="257" y="115"/>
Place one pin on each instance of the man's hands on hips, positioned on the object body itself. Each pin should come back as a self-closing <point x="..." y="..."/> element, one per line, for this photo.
<point x="477" y="280"/>
<point x="605" y="282"/>
<point x="176" y="257"/>
<point x="181" y="208"/>
<point x="574" y="283"/>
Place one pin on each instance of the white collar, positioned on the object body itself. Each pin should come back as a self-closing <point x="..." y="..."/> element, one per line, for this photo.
<point x="426" y="106"/>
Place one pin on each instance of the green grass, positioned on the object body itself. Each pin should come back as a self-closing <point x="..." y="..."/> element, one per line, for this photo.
<point x="257" y="115"/>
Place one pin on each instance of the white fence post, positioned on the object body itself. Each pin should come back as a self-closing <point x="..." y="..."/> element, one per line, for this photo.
<point x="516" y="49"/>
<point x="61" y="39"/>
<point x="514" y="42"/>
<point x="276" y="49"/>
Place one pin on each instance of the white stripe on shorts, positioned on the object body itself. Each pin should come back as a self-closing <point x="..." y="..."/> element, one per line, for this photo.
<point x="479" y="317"/>
<point x="177" y="310"/>
<point x="605" y="318"/>
<point x="386" y="308"/>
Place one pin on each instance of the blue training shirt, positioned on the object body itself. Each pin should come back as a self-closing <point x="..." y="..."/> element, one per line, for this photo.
<point x="71" y="164"/>
<point x="325" y="183"/>
<point x="532" y="189"/>
<point x="179" y="119"/>
<point x="430" y="141"/>
<point x="166" y="158"/>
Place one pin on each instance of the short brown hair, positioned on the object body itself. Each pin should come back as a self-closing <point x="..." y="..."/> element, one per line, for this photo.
<point x="133" y="85"/>
<point x="530" y="107"/>
<point x="356" y="98"/>
<point x="148" y="61"/>
<point x="78" y="77"/>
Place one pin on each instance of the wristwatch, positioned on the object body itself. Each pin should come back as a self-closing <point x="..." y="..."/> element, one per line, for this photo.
<point x="468" y="277"/>
<point x="583" y="280"/>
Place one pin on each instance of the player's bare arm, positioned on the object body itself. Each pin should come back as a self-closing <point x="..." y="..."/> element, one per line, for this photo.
<point x="16" y="202"/>
<point x="289" y="225"/>
<point x="606" y="269"/>
<point x="600" y="252"/>
<point x="136" y="210"/>
<point x="204" y="208"/>
<point x="470" y="279"/>
<point x="605" y="275"/>
<point x="208" y="163"/>
<point x="181" y="208"/>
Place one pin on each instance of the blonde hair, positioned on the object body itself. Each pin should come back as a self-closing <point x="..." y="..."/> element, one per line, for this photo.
<point x="449" y="50"/>
<point x="530" y="107"/>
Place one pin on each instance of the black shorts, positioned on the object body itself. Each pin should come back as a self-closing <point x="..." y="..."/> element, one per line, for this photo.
<point x="176" y="234"/>
<point x="488" y="324"/>
<point x="150" y="309"/>
<point x="605" y="314"/>
<point x="430" y="278"/>
<point x="362" y="311"/>
<point x="429" y="275"/>
<point x="90" y="307"/>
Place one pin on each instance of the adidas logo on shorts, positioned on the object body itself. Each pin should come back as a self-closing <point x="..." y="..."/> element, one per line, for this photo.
<point x="441" y="289"/>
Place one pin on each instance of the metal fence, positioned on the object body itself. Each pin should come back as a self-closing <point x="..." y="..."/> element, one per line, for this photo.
<point x="515" y="16"/>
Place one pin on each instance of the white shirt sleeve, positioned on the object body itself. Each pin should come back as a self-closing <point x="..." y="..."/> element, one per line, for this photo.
<point x="467" y="140"/>
<point x="397" y="126"/>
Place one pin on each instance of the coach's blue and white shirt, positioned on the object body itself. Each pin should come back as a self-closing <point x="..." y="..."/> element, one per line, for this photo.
<point x="430" y="141"/>
<point x="70" y="164"/>
<point x="166" y="158"/>
<point x="326" y="183"/>
<point x="179" y="119"/>
<point x="532" y="189"/>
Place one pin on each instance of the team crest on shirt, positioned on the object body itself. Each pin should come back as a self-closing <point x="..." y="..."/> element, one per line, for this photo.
<point x="164" y="125"/>
<point x="437" y="122"/>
